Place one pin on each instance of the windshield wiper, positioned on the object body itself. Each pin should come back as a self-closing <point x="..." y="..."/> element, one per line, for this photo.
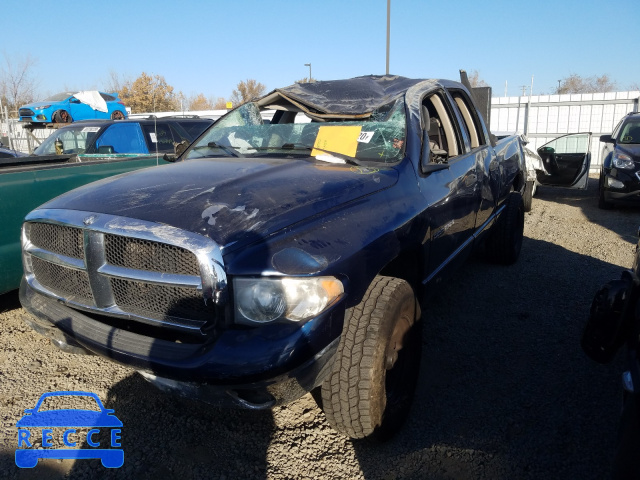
<point x="307" y="148"/>
<point x="229" y="150"/>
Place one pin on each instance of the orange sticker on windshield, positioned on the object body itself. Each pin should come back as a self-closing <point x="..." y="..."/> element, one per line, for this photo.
<point x="336" y="139"/>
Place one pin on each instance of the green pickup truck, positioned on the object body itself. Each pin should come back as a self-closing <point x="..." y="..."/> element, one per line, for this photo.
<point x="27" y="182"/>
<point x="85" y="152"/>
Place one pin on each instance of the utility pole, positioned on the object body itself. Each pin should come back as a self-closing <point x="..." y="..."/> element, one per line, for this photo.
<point x="308" y="65"/>
<point x="388" y="31"/>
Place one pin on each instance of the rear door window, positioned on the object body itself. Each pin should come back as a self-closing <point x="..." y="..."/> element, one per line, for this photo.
<point x="123" y="138"/>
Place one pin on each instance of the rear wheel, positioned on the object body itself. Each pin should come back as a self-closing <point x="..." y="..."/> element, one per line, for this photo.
<point x="117" y="115"/>
<point x="371" y="385"/>
<point x="505" y="239"/>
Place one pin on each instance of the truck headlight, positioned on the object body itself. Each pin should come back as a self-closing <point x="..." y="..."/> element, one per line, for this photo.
<point x="620" y="160"/>
<point x="262" y="300"/>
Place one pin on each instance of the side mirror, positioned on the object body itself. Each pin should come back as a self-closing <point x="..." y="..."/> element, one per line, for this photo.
<point x="169" y="157"/>
<point x="607" y="139"/>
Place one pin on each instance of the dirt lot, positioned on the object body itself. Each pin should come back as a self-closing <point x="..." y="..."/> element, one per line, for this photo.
<point x="505" y="391"/>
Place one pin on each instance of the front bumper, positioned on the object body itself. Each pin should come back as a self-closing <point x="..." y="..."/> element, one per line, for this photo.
<point x="225" y="374"/>
<point x="628" y="193"/>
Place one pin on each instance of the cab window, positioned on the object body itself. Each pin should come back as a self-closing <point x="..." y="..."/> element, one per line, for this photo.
<point x="470" y="118"/>
<point x="440" y="128"/>
<point x="122" y="138"/>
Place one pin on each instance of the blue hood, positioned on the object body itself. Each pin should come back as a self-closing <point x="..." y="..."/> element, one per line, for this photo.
<point x="229" y="200"/>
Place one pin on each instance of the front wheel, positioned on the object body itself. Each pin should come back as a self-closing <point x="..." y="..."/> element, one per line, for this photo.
<point x="61" y="116"/>
<point x="602" y="202"/>
<point x="370" y="388"/>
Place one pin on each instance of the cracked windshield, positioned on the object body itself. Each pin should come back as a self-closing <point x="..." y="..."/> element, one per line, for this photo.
<point x="243" y="132"/>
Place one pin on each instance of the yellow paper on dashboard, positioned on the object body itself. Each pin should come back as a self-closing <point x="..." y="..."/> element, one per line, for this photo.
<point x="338" y="139"/>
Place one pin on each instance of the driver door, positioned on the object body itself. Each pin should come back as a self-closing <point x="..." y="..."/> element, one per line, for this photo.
<point x="566" y="160"/>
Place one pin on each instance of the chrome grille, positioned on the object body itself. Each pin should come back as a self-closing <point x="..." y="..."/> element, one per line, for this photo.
<point x="57" y="239"/>
<point x="65" y="282"/>
<point x="160" y="301"/>
<point x="146" y="255"/>
<point x="125" y="268"/>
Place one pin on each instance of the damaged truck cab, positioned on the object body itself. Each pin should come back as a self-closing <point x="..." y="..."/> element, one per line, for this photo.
<point x="277" y="259"/>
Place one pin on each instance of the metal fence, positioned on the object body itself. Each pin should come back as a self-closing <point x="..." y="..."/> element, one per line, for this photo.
<point x="545" y="117"/>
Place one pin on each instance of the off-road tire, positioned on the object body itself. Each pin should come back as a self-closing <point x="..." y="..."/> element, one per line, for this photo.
<point x="505" y="239"/>
<point x="527" y="197"/>
<point x="367" y="394"/>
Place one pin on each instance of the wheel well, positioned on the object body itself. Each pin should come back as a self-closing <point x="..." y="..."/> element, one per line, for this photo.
<point x="407" y="266"/>
<point x="518" y="183"/>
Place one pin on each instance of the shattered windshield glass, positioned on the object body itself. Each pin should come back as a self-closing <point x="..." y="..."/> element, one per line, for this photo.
<point x="243" y="133"/>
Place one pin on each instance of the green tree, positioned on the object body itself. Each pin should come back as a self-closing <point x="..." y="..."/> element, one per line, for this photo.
<point x="148" y="94"/>
<point x="246" y="91"/>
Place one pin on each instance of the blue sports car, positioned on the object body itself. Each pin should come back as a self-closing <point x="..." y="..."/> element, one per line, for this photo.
<point x="67" y="107"/>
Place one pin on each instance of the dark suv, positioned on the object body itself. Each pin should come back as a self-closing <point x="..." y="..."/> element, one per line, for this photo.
<point x="620" y="171"/>
<point x="131" y="136"/>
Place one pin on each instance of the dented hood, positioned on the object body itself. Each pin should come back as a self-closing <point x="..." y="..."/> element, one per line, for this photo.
<point x="229" y="201"/>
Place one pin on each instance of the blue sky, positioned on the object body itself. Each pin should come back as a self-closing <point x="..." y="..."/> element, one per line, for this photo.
<point x="209" y="46"/>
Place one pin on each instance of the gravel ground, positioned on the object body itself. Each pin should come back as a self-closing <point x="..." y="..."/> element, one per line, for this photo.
<point x="505" y="391"/>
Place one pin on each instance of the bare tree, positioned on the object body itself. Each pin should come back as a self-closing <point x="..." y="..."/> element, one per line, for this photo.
<point x="115" y="82"/>
<point x="17" y="83"/>
<point x="475" y="80"/>
<point x="575" y="83"/>
<point x="307" y="80"/>
<point x="220" y="103"/>
<point x="634" y="86"/>
<point x="246" y="91"/>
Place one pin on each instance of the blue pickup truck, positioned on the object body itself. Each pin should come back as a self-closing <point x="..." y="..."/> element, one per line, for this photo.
<point x="278" y="259"/>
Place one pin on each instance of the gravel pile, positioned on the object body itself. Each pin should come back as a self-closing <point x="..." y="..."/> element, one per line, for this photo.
<point x="505" y="391"/>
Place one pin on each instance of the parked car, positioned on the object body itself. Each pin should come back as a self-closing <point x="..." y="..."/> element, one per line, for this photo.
<point x="620" y="172"/>
<point x="74" y="155"/>
<point x="6" y="152"/>
<point x="533" y="164"/>
<point x="276" y="259"/>
<point x="614" y="323"/>
<point x="67" y="107"/>
<point x="131" y="136"/>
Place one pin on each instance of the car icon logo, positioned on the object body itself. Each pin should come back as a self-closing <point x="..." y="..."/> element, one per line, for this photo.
<point x="44" y="422"/>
